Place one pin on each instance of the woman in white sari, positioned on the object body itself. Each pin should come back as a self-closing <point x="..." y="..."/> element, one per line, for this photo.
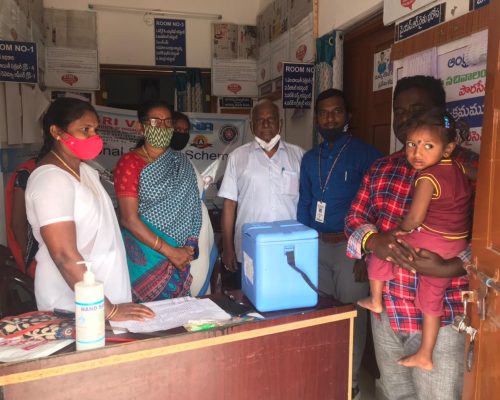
<point x="201" y="268"/>
<point x="73" y="218"/>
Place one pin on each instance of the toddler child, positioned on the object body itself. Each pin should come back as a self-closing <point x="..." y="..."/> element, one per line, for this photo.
<point x="438" y="220"/>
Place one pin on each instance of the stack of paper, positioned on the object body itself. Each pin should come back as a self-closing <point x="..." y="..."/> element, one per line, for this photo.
<point x="173" y="313"/>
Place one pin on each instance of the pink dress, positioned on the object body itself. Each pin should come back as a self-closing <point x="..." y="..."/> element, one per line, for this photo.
<point x="444" y="231"/>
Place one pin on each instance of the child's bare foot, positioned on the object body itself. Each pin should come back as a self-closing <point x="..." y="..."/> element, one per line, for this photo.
<point x="371" y="304"/>
<point x="417" y="360"/>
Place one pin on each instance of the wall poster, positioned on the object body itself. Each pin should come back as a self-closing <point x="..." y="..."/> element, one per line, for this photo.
<point x="382" y="70"/>
<point x="462" y="68"/>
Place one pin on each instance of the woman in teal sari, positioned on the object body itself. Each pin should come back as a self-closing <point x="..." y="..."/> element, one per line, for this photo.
<point x="160" y="209"/>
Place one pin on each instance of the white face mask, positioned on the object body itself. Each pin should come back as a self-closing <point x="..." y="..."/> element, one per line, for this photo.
<point x="268" y="146"/>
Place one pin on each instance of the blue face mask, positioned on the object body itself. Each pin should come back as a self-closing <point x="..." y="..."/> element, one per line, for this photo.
<point x="332" y="134"/>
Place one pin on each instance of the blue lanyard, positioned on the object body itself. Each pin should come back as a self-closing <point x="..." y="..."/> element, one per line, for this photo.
<point x="323" y="188"/>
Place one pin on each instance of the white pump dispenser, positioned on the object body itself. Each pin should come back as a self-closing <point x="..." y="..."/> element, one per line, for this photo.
<point x="89" y="307"/>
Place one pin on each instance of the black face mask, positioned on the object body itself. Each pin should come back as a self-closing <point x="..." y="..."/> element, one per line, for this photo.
<point x="179" y="141"/>
<point x="332" y="134"/>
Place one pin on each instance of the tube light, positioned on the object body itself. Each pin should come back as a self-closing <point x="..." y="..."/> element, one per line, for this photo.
<point x="179" y="14"/>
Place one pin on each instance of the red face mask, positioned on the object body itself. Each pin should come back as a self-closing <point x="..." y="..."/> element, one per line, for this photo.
<point x="84" y="149"/>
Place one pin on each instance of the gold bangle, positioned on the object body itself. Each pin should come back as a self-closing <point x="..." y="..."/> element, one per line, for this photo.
<point x="107" y="316"/>
<point x="365" y="240"/>
<point x="112" y="313"/>
<point x="156" y="242"/>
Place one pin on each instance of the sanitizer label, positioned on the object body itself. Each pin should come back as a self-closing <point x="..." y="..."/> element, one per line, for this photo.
<point x="89" y="321"/>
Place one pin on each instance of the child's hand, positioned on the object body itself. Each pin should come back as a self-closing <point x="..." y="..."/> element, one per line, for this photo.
<point x="400" y="232"/>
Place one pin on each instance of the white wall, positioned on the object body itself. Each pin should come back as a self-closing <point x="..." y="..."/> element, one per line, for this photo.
<point x="340" y="14"/>
<point x="124" y="38"/>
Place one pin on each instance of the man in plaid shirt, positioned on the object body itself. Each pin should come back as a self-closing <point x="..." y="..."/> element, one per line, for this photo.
<point x="380" y="204"/>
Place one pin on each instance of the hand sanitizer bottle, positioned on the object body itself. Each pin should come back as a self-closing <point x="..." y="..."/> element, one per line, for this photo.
<point x="89" y="316"/>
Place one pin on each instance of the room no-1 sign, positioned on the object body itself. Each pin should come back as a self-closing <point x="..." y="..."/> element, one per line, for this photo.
<point x="18" y="62"/>
<point x="297" y="88"/>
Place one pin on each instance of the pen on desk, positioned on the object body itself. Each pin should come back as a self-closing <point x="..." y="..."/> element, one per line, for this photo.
<point x="120" y="340"/>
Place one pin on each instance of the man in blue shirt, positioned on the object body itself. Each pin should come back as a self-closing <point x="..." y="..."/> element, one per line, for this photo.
<point x="330" y="175"/>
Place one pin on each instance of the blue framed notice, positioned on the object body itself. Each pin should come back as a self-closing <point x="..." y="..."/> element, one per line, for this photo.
<point x="297" y="86"/>
<point x="420" y="22"/>
<point x="18" y="62"/>
<point x="170" y="42"/>
<point x="475" y="4"/>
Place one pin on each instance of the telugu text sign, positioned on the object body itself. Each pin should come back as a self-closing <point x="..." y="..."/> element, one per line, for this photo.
<point x="420" y="22"/>
<point x="298" y="79"/>
<point x="170" y="42"/>
<point x="18" y="62"/>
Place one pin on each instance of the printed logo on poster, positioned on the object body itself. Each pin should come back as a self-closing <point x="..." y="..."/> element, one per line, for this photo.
<point x="234" y="88"/>
<point x="203" y="126"/>
<point x="228" y="134"/>
<point x="200" y="142"/>
<point x="407" y="3"/>
<point x="69" y="79"/>
<point x="301" y="52"/>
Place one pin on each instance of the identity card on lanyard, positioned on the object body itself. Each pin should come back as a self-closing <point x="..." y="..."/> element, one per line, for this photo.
<point x="321" y="205"/>
<point x="320" y="211"/>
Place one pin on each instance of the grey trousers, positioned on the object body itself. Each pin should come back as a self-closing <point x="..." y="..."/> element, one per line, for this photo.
<point x="335" y="277"/>
<point x="444" y="382"/>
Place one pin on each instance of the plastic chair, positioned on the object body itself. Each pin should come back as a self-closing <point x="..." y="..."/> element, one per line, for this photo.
<point x="17" y="292"/>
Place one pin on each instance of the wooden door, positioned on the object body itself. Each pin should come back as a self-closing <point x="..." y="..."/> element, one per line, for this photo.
<point x="483" y="381"/>
<point x="371" y="111"/>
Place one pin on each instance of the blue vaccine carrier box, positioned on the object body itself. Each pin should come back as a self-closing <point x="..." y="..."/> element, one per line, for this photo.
<point x="267" y="279"/>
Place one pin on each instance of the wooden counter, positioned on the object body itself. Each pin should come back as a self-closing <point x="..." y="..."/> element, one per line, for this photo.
<point x="290" y="356"/>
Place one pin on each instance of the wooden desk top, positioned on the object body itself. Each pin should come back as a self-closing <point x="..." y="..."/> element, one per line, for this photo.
<point x="176" y="342"/>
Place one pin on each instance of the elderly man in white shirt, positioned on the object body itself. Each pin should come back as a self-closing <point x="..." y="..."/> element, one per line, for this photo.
<point x="261" y="182"/>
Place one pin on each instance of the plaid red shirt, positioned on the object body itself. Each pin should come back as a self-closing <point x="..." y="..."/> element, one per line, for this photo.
<point x="382" y="200"/>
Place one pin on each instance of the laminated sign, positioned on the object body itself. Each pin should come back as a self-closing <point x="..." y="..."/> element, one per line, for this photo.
<point x="297" y="87"/>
